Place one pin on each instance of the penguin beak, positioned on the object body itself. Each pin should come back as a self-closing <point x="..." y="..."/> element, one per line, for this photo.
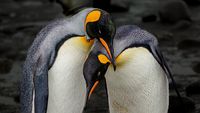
<point x="109" y="50"/>
<point x="90" y="88"/>
<point x="93" y="79"/>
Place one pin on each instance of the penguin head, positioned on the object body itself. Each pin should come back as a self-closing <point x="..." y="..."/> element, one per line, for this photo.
<point x="99" y="25"/>
<point x="95" y="67"/>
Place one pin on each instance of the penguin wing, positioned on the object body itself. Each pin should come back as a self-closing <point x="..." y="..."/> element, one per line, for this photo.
<point x="161" y="60"/>
<point x="34" y="87"/>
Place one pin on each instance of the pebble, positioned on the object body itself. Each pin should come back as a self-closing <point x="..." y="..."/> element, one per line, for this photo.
<point x="5" y="45"/>
<point x="193" y="88"/>
<point x="4" y="108"/>
<point x="149" y="18"/>
<point x="196" y="68"/>
<point x="192" y="2"/>
<point x="176" y="106"/>
<point x="32" y="3"/>
<point x="5" y="65"/>
<point x="179" y="86"/>
<point x="173" y="12"/>
<point x="182" y="25"/>
<point x="188" y="44"/>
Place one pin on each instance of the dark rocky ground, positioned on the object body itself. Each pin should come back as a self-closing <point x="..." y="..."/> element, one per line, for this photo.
<point x="179" y="39"/>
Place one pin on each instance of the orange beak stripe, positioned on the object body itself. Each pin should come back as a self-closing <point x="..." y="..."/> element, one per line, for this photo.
<point x="93" y="88"/>
<point x="106" y="47"/>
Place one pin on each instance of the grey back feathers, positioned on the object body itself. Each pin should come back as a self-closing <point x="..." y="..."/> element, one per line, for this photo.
<point x="131" y="36"/>
<point x="49" y="37"/>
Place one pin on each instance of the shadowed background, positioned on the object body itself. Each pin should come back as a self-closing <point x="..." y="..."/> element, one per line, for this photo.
<point x="176" y="24"/>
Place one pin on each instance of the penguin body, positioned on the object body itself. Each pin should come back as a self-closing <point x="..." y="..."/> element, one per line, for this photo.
<point x="67" y="87"/>
<point x="41" y="57"/>
<point x="139" y="84"/>
<point x="56" y="59"/>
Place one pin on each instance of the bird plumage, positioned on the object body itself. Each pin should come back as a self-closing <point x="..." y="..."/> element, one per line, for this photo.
<point x="139" y="84"/>
<point x="67" y="87"/>
<point x="46" y="56"/>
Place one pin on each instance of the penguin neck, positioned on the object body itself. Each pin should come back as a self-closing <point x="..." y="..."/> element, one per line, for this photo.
<point x="139" y="85"/>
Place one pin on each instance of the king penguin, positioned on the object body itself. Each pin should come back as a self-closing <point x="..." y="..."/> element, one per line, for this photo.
<point x="139" y="83"/>
<point x="53" y="79"/>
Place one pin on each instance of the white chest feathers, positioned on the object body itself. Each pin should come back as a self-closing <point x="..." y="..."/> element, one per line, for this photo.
<point x="67" y="87"/>
<point x="139" y="85"/>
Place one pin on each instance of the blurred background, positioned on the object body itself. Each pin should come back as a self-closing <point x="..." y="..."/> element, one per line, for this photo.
<point x="176" y="24"/>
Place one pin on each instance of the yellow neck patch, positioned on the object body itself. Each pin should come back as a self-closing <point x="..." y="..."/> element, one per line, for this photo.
<point x="92" y="17"/>
<point x="85" y="42"/>
<point x="82" y="43"/>
<point x="103" y="59"/>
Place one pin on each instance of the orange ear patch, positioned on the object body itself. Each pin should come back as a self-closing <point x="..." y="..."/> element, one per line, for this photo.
<point x="103" y="59"/>
<point x="93" y="16"/>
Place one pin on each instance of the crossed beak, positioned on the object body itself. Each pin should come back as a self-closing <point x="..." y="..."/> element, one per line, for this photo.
<point x="110" y="51"/>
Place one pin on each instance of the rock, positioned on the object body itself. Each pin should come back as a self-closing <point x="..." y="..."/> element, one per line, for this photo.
<point x="7" y="108"/>
<point x="21" y="56"/>
<point x="189" y="44"/>
<point x="149" y="18"/>
<point x="69" y="5"/>
<point x="17" y="98"/>
<point x="182" y="25"/>
<point x="5" y="45"/>
<point x="179" y="86"/>
<point x="7" y="31"/>
<point x="196" y="68"/>
<point x="8" y="49"/>
<point x="32" y="3"/>
<point x="5" y="65"/>
<point x="102" y="4"/>
<point x="118" y="8"/>
<point x="174" y="11"/>
<point x="192" y="2"/>
<point x="176" y="105"/>
<point x="193" y="88"/>
<point x="119" y="5"/>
